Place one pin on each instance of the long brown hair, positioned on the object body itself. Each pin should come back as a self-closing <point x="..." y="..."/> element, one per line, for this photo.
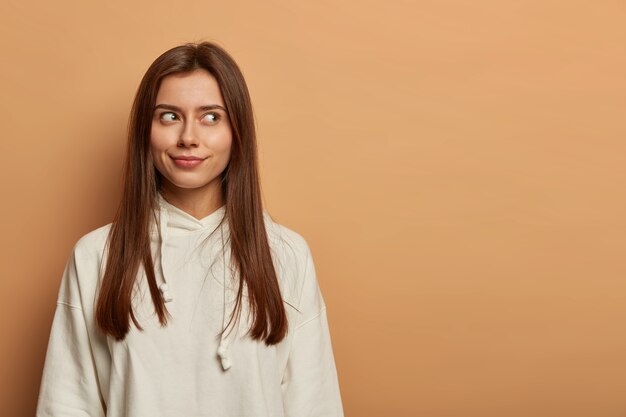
<point x="129" y="237"/>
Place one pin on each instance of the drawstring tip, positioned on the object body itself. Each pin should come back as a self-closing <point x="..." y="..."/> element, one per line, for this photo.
<point x="165" y="293"/>
<point x="222" y="353"/>
<point x="226" y="363"/>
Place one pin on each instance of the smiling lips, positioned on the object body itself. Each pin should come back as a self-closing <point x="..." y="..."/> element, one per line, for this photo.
<point x="184" y="161"/>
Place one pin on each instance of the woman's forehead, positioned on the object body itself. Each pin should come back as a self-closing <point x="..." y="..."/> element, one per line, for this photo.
<point x="190" y="89"/>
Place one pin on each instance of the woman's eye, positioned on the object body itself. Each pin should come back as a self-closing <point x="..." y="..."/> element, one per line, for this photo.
<point x="168" y="117"/>
<point x="211" y="117"/>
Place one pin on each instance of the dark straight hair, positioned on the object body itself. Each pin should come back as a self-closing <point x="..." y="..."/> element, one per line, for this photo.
<point x="129" y="237"/>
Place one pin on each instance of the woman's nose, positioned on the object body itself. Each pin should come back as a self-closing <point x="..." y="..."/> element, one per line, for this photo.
<point x="187" y="135"/>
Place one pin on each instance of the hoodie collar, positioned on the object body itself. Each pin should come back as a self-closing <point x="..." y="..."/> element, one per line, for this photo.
<point x="179" y="221"/>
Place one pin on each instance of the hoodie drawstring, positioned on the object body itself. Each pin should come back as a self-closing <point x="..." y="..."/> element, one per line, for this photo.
<point x="167" y="296"/>
<point x="222" y="350"/>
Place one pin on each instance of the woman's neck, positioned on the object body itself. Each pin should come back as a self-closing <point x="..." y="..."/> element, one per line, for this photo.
<point x="198" y="202"/>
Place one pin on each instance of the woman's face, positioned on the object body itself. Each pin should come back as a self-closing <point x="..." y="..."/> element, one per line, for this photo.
<point x="190" y="121"/>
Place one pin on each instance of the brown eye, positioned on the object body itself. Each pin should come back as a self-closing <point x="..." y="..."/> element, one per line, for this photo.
<point x="168" y="116"/>
<point x="211" y="117"/>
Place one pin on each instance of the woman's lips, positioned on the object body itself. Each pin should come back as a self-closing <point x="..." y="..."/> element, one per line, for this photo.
<point x="187" y="163"/>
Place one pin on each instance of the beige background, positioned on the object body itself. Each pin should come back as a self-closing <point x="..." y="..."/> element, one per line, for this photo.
<point x="458" y="168"/>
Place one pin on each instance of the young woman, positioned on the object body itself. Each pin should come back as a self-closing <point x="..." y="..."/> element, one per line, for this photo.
<point x="193" y="301"/>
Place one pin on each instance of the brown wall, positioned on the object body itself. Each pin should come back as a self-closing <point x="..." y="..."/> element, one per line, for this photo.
<point x="458" y="168"/>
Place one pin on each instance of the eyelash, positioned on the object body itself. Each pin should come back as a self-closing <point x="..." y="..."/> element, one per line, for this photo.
<point x="216" y="115"/>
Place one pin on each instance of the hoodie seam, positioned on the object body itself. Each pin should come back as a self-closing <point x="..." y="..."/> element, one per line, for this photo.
<point x="312" y="318"/>
<point x="63" y="303"/>
<point x="303" y="279"/>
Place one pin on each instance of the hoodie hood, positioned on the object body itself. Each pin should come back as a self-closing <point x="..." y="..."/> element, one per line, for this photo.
<point x="173" y="221"/>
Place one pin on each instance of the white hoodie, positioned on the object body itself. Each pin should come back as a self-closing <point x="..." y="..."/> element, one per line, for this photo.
<point x="185" y="369"/>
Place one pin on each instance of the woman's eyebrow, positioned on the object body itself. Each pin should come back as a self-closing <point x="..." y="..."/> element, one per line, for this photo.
<point x="178" y="109"/>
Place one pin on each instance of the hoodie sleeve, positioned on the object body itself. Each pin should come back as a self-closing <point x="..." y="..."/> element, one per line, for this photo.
<point x="69" y="385"/>
<point x="310" y="384"/>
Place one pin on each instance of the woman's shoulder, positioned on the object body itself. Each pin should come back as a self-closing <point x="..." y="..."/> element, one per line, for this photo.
<point x="82" y="269"/>
<point x="92" y="243"/>
<point x="285" y="240"/>
<point x="292" y="258"/>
